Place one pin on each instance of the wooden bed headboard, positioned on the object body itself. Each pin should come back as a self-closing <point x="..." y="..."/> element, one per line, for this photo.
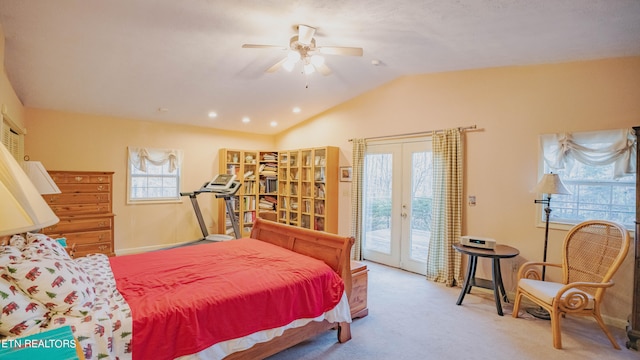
<point x="334" y="250"/>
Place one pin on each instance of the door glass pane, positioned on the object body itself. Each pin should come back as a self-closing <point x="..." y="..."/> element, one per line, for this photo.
<point x="421" y="201"/>
<point x="377" y="202"/>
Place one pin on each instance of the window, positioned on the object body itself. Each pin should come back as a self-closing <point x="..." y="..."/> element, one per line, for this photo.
<point x="599" y="170"/>
<point x="154" y="175"/>
<point x="11" y="138"/>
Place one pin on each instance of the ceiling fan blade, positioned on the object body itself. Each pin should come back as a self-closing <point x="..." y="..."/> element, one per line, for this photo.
<point x="255" y="46"/>
<point x="305" y="34"/>
<point x="323" y="69"/>
<point x="338" y="50"/>
<point x="276" y="66"/>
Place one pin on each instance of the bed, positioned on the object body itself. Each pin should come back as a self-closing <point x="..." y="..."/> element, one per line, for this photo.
<point x="136" y="305"/>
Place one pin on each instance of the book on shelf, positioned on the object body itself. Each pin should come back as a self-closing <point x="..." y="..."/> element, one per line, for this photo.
<point x="271" y="184"/>
<point x="249" y="217"/>
<point x="272" y="156"/>
<point x="249" y="202"/>
<point x="267" y="202"/>
<point x="249" y="175"/>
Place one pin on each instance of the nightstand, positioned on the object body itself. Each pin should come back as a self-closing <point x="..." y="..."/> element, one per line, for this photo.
<point x="358" y="299"/>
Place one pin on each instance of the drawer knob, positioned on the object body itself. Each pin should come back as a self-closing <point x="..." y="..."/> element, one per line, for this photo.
<point x="102" y="223"/>
<point x="102" y="247"/>
<point x="53" y="199"/>
<point x="79" y="178"/>
<point x="100" y="179"/>
<point x="100" y="187"/>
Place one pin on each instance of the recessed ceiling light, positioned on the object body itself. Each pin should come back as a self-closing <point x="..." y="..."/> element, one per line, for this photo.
<point x="296" y="110"/>
<point x="274" y="124"/>
<point x="246" y="119"/>
<point x="213" y="114"/>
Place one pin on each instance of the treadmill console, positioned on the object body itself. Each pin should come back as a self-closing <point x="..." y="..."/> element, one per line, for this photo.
<point x="221" y="182"/>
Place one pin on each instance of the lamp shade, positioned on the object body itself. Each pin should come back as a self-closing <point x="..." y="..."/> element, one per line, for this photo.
<point x="40" y="177"/>
<point x="22" y="208"/>
<point x="551" y="184"/>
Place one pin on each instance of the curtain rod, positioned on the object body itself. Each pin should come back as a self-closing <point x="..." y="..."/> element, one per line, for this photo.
<point x="461" y="128"/>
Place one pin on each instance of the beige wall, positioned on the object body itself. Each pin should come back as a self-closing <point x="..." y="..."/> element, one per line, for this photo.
<point x="66" y="141"/>
<point x="8" y="99"/>
<point x="511" y="106"/>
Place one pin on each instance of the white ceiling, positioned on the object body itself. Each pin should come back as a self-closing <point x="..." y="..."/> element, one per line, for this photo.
<point x="129" y="58"/>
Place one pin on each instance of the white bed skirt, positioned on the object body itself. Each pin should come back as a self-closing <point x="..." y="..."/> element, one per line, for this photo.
<point x="340" y="313"/>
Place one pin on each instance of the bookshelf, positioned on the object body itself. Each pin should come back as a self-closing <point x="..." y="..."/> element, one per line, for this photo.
<point x="308" y="182"/>
<point x="244" y="164"/>
<point x="296" y="187"/>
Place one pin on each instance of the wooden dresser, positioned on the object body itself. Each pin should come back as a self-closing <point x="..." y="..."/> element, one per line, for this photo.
<point x="85" y="211"/>
<point x="359" y="281"/>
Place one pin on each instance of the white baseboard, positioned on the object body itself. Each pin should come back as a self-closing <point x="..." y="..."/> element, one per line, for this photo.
<point x="142" y="249"/>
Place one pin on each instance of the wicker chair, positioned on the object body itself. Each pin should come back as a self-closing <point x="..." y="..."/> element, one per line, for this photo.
<point x="592" y="253"/>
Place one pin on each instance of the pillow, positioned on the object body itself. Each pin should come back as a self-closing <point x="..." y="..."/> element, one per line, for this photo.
<point x="61" y="285"/>
<point x="20" y="315"/>
<point x="39" y="245"/>
<point x="9" y="254"/>
<point x="18" y="241"/>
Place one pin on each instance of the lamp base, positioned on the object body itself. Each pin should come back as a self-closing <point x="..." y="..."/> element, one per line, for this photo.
<point x="539" y="312"/>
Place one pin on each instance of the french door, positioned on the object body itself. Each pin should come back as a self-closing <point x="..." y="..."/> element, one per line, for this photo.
<point x="397" y="198"/>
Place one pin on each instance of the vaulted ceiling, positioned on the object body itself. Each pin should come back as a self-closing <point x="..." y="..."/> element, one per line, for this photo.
<point x="176" y="61"/>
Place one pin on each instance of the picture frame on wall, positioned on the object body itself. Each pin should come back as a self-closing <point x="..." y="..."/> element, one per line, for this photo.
<point x="345" y="173"/>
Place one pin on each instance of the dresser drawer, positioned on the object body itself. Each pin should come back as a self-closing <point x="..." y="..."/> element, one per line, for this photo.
<point x="83" y="250"/>
<point x="77" y="178"/>
<point x="54" y="199"/>
<point x="86" y="237"/>
<point x="81" y="209"/>
<point x="84" y="188"/>
<point x="79" y="224"/>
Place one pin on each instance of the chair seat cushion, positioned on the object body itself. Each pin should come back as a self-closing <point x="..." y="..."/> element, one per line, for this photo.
<point x="547" y="290"/>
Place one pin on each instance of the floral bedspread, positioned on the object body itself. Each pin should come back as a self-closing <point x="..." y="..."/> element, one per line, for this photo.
<point x="107" y="331"/>
<point x="42" y="288"/>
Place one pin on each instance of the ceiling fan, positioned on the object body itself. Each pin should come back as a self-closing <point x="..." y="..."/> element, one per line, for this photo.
<point x="302" y="48"/>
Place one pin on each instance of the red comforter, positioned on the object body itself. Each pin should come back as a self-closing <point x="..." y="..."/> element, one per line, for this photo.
<point x="186" y="299"/>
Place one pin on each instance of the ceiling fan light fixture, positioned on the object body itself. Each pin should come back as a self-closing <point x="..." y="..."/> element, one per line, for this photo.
<point x="309" y="69"/>
<point x="288" y="65"/>
<point x="293" y="56"/>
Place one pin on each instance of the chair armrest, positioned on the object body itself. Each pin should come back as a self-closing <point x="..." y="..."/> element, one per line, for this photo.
<point x="529" y="269"/>
<point x="570" y="298"/>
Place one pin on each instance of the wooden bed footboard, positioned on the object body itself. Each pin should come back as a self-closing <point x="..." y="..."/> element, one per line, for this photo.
<point x="334" y="250"/>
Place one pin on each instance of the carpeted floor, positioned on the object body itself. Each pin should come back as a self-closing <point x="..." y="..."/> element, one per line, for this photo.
<point x="412" y="318"/>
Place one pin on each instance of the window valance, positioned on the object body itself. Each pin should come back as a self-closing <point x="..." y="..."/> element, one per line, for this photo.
<point x="595" y="148"/>
<point x="139" y="156"/>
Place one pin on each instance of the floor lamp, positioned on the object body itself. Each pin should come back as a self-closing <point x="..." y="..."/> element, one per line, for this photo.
<point x="549" y="184"/>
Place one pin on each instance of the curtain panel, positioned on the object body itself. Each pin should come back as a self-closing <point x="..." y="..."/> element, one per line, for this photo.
<point x="138" y="157"/>
<point x="443" y="262"/>
<point x="359" y="148"/>
<point x="595" y="148"/>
